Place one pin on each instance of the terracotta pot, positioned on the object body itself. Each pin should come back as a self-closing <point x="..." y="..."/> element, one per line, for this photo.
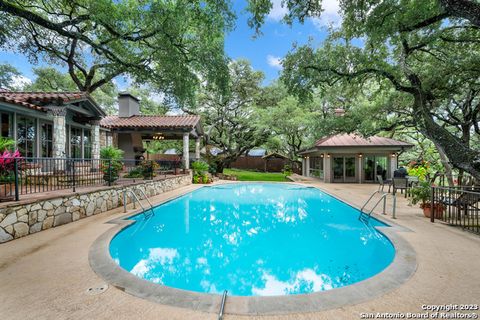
<point x="439" y="208"/>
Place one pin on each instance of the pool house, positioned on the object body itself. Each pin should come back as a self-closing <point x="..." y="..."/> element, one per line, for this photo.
<point x="352" y="158"/>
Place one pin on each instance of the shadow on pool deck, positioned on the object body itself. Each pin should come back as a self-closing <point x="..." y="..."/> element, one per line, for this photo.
<point x="46" y="275"/>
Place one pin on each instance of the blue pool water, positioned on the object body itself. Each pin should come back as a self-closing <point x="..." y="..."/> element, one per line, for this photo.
<point x="253" y="239"/>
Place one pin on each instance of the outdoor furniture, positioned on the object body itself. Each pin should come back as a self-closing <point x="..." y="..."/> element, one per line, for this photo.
<point x="381" y="183"/>
<point x="400" y="184"/>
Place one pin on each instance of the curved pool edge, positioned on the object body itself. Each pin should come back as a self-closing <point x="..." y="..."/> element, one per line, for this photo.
<point x="400" y="270"/>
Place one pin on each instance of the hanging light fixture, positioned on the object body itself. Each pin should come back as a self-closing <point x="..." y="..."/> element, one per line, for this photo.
<point x="158" y="136"/>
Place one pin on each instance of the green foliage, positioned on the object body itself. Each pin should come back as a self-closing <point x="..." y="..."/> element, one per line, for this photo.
<point x="200" y="167"/>
<point x="421" y="193"/>
<point x="407" y="73"/>
<point x="6" y="144"/>
<point x="230" y="121"/>
<point x="111" y="153"/>
<point x="136" y="172"/>
<point x="420" y="169"/>
<point x="7" y="75"/>
<point x="171" y="44"/>
<point x="111" y="164"/>
<point x="287" y="170"/>
<point x="245" y="175"/>
<point x="148" y="169"/>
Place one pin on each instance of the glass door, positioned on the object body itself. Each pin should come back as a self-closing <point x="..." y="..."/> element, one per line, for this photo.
<point x="337" y="169"/>
<point x="350" y="169"/>
<point x="344" y="169"/>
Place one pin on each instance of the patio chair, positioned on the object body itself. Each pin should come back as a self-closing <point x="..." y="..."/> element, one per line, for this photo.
<point x="400" y="184"/>
<point x="381" y="183"/>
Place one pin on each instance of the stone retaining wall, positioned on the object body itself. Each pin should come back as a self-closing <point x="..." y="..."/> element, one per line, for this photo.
<point x="20" y="220"/>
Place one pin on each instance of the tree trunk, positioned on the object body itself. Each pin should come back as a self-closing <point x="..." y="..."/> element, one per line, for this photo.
<point x="445" y="163"/>
<point x="460" y="155"/>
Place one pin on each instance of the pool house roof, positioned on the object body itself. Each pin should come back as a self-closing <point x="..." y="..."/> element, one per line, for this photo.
<point x="352" y="141"/>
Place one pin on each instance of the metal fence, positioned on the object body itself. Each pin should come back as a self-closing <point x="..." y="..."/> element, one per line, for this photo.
<point x="24" y="176"/>
<point x="457" y="206"/>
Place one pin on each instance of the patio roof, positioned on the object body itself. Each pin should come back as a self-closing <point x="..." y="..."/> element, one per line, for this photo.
<point x="151" y="123"/>
<point x="39" y="100"/>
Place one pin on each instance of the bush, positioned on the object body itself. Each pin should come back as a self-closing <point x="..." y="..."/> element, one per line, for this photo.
<point x="287" y="170"/>
<point x="421" y="194"/>
<point x="112" y="165"/>
<point x="200" y="167"/>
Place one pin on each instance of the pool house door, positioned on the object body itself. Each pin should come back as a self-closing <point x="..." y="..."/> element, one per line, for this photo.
<point x="344" y="169"/>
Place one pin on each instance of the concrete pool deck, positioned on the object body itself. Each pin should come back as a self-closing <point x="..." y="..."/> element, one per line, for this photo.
<point x="46" y="275"/>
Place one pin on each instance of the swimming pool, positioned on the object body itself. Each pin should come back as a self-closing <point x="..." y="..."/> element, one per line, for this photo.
<point x="253" y="239"/>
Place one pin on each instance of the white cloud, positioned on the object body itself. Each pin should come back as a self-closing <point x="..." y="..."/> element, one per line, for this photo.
<point x="274" y="62"/>
<point x="330" y="15"/>
<point x="18" y="82"/>
<point x="278" y="12"/>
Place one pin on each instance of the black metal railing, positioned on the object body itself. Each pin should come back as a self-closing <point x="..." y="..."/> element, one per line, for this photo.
<point x="25" y="176"/>
<point x="457" y="206"/>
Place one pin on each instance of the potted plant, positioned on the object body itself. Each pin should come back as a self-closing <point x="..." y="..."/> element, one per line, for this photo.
<point x="200" y="172"/>
<point x="148" y="169"/>
<point x="7" y="174"/>
<point x="111" y="164"/>
<point x="422" y="194"/>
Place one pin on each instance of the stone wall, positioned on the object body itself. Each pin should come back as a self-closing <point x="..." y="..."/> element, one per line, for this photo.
<point x="20" y="220"/>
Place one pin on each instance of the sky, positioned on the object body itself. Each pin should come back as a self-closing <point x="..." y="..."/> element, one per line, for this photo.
<point x="264" y="52"/>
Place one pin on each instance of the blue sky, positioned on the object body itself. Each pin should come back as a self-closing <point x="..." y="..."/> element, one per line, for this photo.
<point x="264" y="52"/>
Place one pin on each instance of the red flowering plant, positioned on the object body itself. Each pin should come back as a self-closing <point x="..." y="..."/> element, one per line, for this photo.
<point x="7" y="164"/>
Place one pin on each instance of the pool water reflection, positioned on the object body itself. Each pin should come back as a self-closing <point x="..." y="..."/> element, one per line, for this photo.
<point x="253" y="239"/>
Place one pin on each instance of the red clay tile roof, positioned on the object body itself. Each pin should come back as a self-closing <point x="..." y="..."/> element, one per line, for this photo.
<point x="148" y="121"/>
<point x="31" y="99"/>
<point x="352" y="140"/>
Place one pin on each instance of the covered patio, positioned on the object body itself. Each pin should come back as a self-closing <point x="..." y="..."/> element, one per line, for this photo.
<point x="130" y="129"/>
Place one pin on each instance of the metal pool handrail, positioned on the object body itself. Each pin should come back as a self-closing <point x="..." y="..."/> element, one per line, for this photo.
<point x="222" y="305"/>
<point x="135" y="198"/>
<point x="384" y="198"/>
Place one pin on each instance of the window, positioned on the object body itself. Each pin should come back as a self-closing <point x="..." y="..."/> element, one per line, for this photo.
<point x="6" y="122"/>
<point x="87" y="144"/>
<point x="316" y="167"/>
<point x="47" y="140"/>
<point x="26" y="134"/>
<point x="373" y="166"/>
<point x="75" y="142"/>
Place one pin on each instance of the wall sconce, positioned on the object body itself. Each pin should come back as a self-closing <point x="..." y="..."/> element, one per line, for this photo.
<point x="321" y="156"/>
<point x="360" y="155"/>
<point x="393" y="155"/>
<point x="328" y="155"/>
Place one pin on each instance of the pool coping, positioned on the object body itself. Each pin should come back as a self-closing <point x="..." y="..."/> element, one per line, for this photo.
<point x="398" y="272"/>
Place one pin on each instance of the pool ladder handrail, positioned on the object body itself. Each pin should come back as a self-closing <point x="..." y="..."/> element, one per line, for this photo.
<point x="135" y="198"/>
<point x="222" y="305"/>
<point x="384" y="198"/>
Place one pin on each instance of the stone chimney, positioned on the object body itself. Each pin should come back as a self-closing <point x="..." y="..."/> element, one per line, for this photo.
<point x="339" y="112"/>
<point x="128" y="105"/>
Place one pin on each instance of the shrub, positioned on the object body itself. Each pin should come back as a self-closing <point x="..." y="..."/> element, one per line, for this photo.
<point x="200" y="167"/>
<point x="112" y="165"/>
<point x="421" y="194"/>
<point x="148" y="168"/>
<point x="6" y="144"/>
<point x="205" y="178"/>
<point x="287" y="170"/>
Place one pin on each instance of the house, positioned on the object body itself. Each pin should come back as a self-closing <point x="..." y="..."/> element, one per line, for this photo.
<point x="352" y="158"/>
<point x="72" y="125"/>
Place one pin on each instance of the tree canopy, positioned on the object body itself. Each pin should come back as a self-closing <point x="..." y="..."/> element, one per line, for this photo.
<point x="171" y="44"/>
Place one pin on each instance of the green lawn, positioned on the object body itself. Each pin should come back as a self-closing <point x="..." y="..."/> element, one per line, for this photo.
<point x="244" y="175"/>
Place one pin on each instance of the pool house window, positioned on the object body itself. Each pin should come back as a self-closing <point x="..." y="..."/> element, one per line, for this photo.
<point x="316" y="167"/>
